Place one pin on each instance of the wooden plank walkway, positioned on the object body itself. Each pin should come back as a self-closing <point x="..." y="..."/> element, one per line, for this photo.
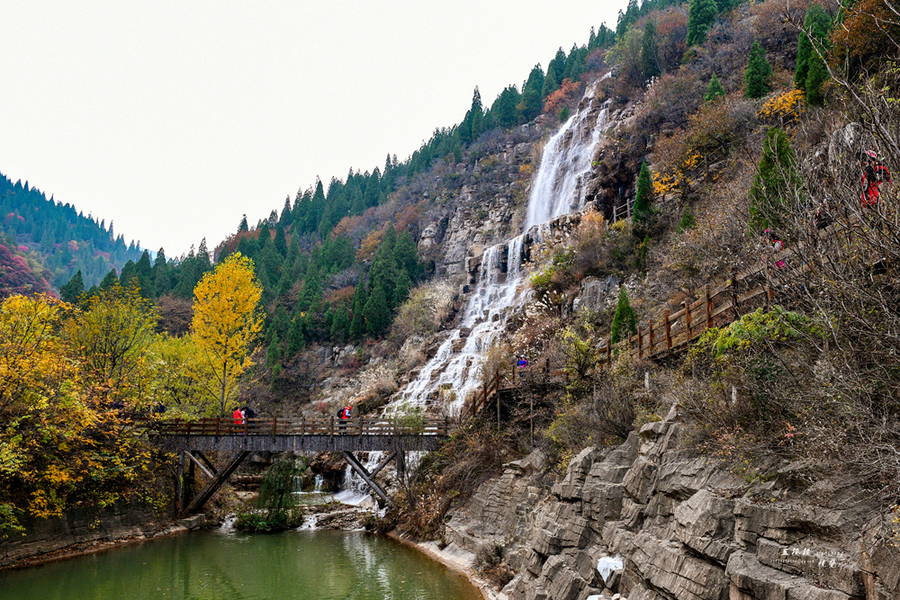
<point x="280" y="434"/>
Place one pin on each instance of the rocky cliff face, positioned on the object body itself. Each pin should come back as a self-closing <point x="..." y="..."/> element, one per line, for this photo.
<point x="663" y="522"/>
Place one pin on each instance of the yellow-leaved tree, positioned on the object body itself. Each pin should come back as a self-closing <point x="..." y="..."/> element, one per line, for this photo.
<point x="225" y="325"/>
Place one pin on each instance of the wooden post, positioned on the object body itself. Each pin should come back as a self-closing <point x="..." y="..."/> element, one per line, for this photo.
<point x="650" y="348"/>
<point x="708" y="308"/>
<point x="640" y="344"/>
<point x="608" y="352"/>
<point x="687" y="318"/>
<point x="668" y="329"/>
<point x="734" y="298"/>
<point x="497" y="393"/>
<point x="179" y="484"/>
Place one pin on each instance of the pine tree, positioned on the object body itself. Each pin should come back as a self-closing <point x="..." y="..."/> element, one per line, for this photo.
<point x="624" y="321"/>
<point x="358" y="324"/>
<point x="650" y="51"/>
<point x="280" y="242"/>
<point x="377" y="312"/>
<point x="504" y="108"/>
<point x="776" y="183"/>
<point x="296" y="339"/>
<point x="756" y="77"/>
<point x="643" y="199"/>
<point x="72" y="290"/>
<point x="811" y="72"/>
<point x="714" y="89"/>
<point x="532" y="101"/>
<point x="340" y="326"/>
<point x="701" y="15"/>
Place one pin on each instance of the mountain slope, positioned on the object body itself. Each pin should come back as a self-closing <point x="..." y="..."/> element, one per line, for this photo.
<point x="47" y="242"/>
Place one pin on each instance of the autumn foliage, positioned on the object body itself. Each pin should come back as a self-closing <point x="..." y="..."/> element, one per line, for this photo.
<point x="568" y="91"/>
<point x="63" y="441"/>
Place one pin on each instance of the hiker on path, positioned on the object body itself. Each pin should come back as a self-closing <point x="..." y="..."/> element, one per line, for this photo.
<point x="873" y="175"/>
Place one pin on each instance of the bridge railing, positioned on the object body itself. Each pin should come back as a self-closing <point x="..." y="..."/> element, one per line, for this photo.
<point x="298" y="426"/>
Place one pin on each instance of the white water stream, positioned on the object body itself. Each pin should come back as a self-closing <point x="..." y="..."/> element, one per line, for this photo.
<point x="444" y="382"/>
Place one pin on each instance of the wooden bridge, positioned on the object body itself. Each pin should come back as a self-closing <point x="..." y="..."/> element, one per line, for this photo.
<point x="190" y="439"/>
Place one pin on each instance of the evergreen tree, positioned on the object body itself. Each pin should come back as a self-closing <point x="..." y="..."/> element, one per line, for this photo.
<point x="650" y="51"/>
<point x="358" y="324"/>
<point x="551" y="82"/>
<point x="280" y="242"/>
<point x="406" y="255"/>
<point x="296" y="340"/>
<point x="643" y="200"/>
<point x="401" y="288"/>
<point x="110" y="280"/>
<point x="701" y="15"/>
<point x="143" y="272"/>
<point x="242" y="226"/>
<point x="162" y="279"/>
<point x="286" y="216"/>
<point x="265" y="236"/>
<point x="377" y="312"/>
<point x="383" y="272"/>
<point x="273" y="352"/>
<point x="775" y="185"/>
<point x="756" y="77"/>
<point x="624" y="321"/>
<point x="473" y="123"/>
<point x="373" y="189"/>
<point x="725" y="5"/>
<point x="714" y="89"/>
<point x="72" y="290"/>
<point x="340" y="326"/>
<point x="575" y="63"/>
<point x="811" y="72"/>
<point x="532" y="101"/>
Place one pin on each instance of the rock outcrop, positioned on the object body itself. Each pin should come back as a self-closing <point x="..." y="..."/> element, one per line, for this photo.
<point x="80" y="527"/>
<point x="682" y="527"/>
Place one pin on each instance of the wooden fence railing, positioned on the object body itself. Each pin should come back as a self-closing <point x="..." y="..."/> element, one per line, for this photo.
<point x="673" y="332"/>
<point x="299" y="426"/>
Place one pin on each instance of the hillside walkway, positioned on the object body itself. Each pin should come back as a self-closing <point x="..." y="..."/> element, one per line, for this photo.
<point x="673" y="332"/>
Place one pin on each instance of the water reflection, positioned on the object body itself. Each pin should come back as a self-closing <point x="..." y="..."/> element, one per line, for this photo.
<point x="308" y="565"/>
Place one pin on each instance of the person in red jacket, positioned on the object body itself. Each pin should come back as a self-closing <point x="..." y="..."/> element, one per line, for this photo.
<point x="874" y="174"/>
<point x="238" y="416"/>
<point x="344" y="415"/>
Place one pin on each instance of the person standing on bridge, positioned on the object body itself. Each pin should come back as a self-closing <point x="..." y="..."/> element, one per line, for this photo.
<point x="344" y="415"/>
<point x="238" y="416"/>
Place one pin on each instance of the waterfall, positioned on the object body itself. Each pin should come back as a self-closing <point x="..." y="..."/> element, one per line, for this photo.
<point x="453" y="372"/>
<point x="565" y="161"/>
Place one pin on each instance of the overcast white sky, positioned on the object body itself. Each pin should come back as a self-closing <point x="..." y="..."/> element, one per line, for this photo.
<point x="174" y="118"/>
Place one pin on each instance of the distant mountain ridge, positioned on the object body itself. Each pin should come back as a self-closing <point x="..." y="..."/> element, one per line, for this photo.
<point x="43" y="243"/>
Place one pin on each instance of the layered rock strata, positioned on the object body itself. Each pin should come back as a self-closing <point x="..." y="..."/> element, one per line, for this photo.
<point x="682" y="526"/>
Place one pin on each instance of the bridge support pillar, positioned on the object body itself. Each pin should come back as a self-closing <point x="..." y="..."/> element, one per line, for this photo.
<point x="216" y="482"/>
<point x="366" y="476"/>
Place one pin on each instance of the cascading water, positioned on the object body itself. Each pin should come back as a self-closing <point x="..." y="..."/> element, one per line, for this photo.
<point x="453" y="372"/>
<point x="566" y="159"/>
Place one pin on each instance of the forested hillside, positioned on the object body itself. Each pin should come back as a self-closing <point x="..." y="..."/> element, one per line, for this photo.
<point x="734" y="130"/>
<point x="43" y="243"/>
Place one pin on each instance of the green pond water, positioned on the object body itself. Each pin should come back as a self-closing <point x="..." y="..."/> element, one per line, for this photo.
<point x="218" y="565"/>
